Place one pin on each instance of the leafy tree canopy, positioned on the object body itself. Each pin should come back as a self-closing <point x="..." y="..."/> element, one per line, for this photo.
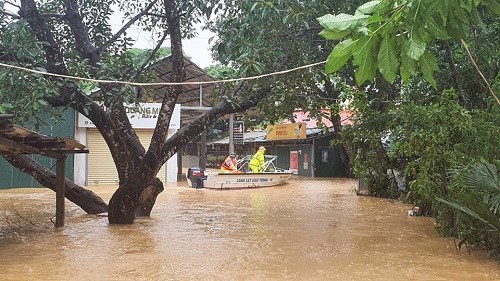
<point x="394" y="36"/>
<point x="258" y="37"/>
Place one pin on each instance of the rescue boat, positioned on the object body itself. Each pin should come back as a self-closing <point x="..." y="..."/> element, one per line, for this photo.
<point x="244" y="178"/>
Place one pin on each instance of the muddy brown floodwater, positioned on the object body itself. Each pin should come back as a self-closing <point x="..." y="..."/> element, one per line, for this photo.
<point x="305" y="230"/>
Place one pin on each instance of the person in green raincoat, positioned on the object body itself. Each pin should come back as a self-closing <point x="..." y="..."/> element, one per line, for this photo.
<point x="256" y="164"/>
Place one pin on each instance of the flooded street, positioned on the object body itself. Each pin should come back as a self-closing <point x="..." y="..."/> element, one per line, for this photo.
<point x="305" y="230"/>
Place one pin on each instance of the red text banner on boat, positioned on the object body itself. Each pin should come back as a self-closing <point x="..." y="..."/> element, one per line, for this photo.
<point x="286" y="131"/>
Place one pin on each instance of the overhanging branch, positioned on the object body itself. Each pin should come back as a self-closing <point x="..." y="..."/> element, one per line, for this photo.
<point x="126" y="26"/>
<point x="152" y="55"/>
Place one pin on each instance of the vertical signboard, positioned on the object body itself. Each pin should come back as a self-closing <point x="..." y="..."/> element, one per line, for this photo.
<point x="324" y="155"/>
<point x="238" y="129"/>
<point x="305" y="164"/>
<point x="294" y="162"/>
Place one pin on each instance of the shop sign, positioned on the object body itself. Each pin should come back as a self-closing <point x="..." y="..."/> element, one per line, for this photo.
<point x="141" y="116"/>
<point x="286" y="131"/>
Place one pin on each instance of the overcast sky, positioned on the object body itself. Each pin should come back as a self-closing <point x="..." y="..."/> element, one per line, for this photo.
<point x="196" y="48"/>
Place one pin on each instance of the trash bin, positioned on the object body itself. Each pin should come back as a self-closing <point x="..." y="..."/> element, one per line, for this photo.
<point x="196" y="176"/>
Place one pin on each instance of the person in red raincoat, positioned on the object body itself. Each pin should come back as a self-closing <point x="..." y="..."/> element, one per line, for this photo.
<point x="229" y="164"/>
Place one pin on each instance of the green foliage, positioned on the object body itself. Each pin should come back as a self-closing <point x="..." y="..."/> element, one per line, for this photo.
<point x="141" y="56"/>
<point x="221" y="72"/>
<point x="369" y="158"/>
<point x="26" y="94"/>
<point x="18" y="39"/>
<point x="476" y="192"/>
<point x="257" y="37"/>
<point x="429" y="132"/>
<point x="21" y="93"/>
<point x="433" y="138"/>
<point x="393" y="36"/>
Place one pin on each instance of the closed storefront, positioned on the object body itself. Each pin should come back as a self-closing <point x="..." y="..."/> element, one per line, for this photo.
<point x="101" y="168"/>
<point x="97" y="167"/>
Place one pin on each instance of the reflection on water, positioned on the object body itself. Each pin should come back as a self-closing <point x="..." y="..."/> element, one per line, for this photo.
<point x="305" y="230"/>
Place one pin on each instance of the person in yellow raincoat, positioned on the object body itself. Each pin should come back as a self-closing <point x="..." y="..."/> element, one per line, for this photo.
<point x="256" y="164"/>
<point x="229" y="164"/>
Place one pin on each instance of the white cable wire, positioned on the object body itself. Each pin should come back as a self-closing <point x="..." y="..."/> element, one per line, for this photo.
<point x="160" y="83"/>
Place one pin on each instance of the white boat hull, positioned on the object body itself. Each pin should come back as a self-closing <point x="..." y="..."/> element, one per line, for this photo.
<point x="245" y="180"/>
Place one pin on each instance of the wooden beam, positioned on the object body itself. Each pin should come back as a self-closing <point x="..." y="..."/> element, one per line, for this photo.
<point x="23" y="132"/>
<point x="18" y="147"/>
<point x="203" y="153"/>
<point x="72" y="144"/>
<point x="60" y="188"/>
<point x="44" y="144"/>
<point x="74" y="151"/>
<point x="56" y="154"/>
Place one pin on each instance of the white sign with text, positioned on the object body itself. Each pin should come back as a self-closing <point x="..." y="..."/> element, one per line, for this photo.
<point x="141" y="116"/>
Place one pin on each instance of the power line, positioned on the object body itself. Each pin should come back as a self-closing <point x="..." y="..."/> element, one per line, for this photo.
<point x="160" y="83"/>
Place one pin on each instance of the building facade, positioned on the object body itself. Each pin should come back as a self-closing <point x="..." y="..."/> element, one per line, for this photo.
<point x="98" y="168"/>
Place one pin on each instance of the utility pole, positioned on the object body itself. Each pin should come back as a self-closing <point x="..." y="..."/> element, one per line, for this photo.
<point x="231" y="133"/>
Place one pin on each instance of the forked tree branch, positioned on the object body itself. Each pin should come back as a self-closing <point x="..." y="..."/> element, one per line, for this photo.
<point x="126" y="26"/>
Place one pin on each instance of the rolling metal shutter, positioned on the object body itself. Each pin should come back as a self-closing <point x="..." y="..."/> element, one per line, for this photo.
<point x="100" y="166"/>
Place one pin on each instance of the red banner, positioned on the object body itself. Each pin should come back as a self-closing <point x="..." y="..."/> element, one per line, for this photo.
<point x="294" y="162"/>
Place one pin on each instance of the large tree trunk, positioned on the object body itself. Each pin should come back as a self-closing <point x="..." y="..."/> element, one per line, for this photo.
<point x="138" y="191"/>
<point x="136" y="196"/>
<point x="84" y="198"/>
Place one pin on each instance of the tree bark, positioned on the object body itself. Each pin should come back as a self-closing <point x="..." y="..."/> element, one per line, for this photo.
<point x="84" y="198"/>
<point x="145" y="209"/>
<point x="134" y="197"/>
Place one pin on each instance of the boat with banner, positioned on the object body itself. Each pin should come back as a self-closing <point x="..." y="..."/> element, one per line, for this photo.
<point x="244" y="178"/>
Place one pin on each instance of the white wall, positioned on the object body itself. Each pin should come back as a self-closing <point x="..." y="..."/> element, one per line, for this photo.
<point x="171" y="168"/>
<point x="80" y="159"/>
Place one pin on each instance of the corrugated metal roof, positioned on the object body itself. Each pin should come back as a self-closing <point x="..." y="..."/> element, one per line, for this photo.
<point x="193" y="73"/>
<point x="260" y="136"/>
<point x="192" y="95"/>
<point x="247" y="137"/>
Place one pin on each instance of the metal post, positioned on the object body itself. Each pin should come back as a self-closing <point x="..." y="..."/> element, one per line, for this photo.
<point x="179" y="165"/>
<point x="201" y="95"/>
<point x="231" y="133"/>
<point x="203" y="152"/>
<point x="60" y="190"/>
<point x="313" y="160"/>
<point x="179" y="161"/>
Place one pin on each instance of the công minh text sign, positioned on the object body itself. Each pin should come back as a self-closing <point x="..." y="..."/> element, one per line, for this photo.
<point x="141" y="116"/>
